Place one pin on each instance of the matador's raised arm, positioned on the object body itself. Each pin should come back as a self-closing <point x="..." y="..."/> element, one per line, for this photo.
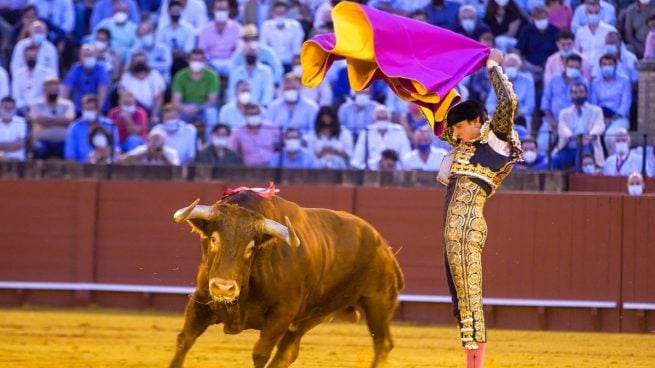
<point x="503" y="120"/>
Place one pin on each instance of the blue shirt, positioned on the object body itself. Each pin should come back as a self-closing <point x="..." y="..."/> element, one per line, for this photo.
<point x="82" y="81"/>
<point x="77" y="138"/>
<point x="266" y="56"/>
<point x="557" y="95"/>
<point x="302" y="116"/>
<point x="261" y="83"/>
<point x="536" y="45"/>
<point x="105" y="9"/>
<point x="614" y="94"/>
<point x="355" y="118"/>
<point x="445" y="17"/>
<point x="231" y="115"/>
<point x="524" y="90"/>
<point x="302" y="160"/>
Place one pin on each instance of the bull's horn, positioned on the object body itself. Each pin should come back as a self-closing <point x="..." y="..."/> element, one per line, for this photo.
<point x="294" y="240"/>
<point x="193" y="211"/>
<point x="276" y="229"/>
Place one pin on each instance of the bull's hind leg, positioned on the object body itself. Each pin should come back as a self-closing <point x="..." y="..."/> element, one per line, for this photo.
<point x="197" y="317"/>
<point x="379" y="311"/>
<point x="289" y="345"/>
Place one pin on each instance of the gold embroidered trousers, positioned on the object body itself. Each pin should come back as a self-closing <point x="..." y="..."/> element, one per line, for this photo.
<point x="465" y="231"/>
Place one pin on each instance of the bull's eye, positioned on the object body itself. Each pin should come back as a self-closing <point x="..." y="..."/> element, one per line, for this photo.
<point x="250" y="248"/>
<point x="214" y="242"/>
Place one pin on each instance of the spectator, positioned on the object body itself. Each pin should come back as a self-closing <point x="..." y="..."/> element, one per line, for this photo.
<point x="504" y="19"/>
<point x="589" y="166"/>
<point x="635" y="184"/>
<point x="27" y="82"/>
<point x="293" y="155"/>
<point x="102" y="151"/>
<point x="613" y="93"/>
<point x="131" y="121"/>
<point x="413" y="119"/>
<point x="50" y="117"/>
<point x="388" y="161"/>
<point x="255" y="141"/>
<point x="478" y="83"/>
<point x="195" y="91"/>
<point x="579" y="129"/>
<point x="159" y="54"/>
<point x="217" y="151"/>
<point x="194" y="12"/>
<point x="291" y="110"/>
<point x="533" y="159"/>
<point x="590" y="38"/>
<point x="59" y="12"/>
<point x="232" y="113"/>
<point x="321" y="94"/>
<point x="443" y="13"/>
<point x="104" y="9"/>
<point x="606" y="13"/>
<point x="77" y="145"/>
<point x="537" y="41"/>
<point x="13" y="132"/>
<point x="331" y="143"/>
<point x="624" y="161"/>
<point x="523" y="87"/>
<point x="155" y="152"/>
<point x="219" y="39"/>
<point x="424" y="156"/>
<point x="649" y="50"/>
<point x="29" y="15"/>
<point x="106" y="56"/>
<point x="257" y="74"/>
<point x="559" y="14"/>
<point x="635" y="26"/>
<point x="146" y="84"/>
<point x="180" y="135"/>
<point x="4" y="83"/>
<point x="266" y="55"/>
<point x="627" y="61"/>
<point x="555" y="64"/>
<point x="378" y="136"/>
<point x="356" y="113"/>
<point x="282" y="34"/>
<point x="46" y="53"/>
<point x="178" y="34"/>
<point x="122" y="29"/>
<point x="86" y="77"/>
<point x="469" y="24"/>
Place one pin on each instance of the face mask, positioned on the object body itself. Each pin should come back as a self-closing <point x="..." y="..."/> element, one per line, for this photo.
<point x="244" y="97"/>
<point x="100" y="45"/>
<point x="221" y="16"/>
<point x="175" y="18"/>
<point x="120" y="17"/>
<point x="196" y="66"/>
<point x="382" y="125"/>
<point x="52" y="97"/>
<point x="644" y="2"/>
<point x="511" y="72"/>
<point x="593" y="19"/>
<point x="251" y="59"/>
<point x="580" y="100"/>
<point x="89" y="62"/>
<point x="566" y="53"/>
<point x="292" y="145"/>
<point x="468" y="25"/>
<point x="423" y="147"/>
<point x="297" y="69"/>
<point x="31" y="63"/>
<point x="148" y="40"/>
<point x="589" y="169"/>
<point x="279" y="21"/>
<point x="170" y="125"/>
<point x="252" y="44"/>
<point x="290" y="95"/>
<point x="607" y="71"/>
<point x="502" y="3"/>
<point x="530" y="156"/>
<point x="89" y="115"/>
<point x="635" y="189"/>
<point x="572" y="73"/>
<point x="611" y="49"/>
<point x="140" y="67"/>
<point x="541" y="24"/>
<point x="253" y="121"/>
<point x="38" y="38"/>
<point x="130" y="109"/>
<point x="220" y="142"/>
<point x="100" y="141"/>
<point x="621" y="148"/>
<point x="362" y="99"/>
<point x="6" y="114"/>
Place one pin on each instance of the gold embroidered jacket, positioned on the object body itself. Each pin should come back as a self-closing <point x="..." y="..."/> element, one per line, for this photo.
<point x="489" y="158"/>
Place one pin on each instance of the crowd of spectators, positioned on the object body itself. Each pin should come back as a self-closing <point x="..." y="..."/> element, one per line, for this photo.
<point x="218" y="82"/>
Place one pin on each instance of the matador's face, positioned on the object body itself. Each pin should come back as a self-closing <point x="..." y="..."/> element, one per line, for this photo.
<point x="467" y="130"/>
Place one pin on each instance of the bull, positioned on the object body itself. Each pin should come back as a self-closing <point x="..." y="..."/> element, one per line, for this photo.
<point x="283" y="280"/>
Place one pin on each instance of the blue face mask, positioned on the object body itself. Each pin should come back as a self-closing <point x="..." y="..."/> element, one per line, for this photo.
<point x="572" y="73"/>
<point x="611" y="49"/>
<point x="607" y="71"/>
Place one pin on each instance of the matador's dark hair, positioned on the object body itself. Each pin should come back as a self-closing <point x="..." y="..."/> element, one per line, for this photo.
<point x="467" y="110"/>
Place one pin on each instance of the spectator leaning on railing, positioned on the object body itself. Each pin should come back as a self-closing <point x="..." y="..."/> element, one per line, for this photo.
<point x="13" y="130"/>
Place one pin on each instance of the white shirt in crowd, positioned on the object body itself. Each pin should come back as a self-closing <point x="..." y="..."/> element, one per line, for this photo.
<point x="11" y="132"/>
<point x="194" y="13"/>
<point x="27" y="86"/>
<point x="285" y="41"/>
<point x="592" y="45"/>
<point x="169" y="152"/>
<point x="413" y="161"/>
<point x="395" y="138"/>
<point x="48" y="56"/>
<point x="182" y="139"/>
<point x="144" y="90"/>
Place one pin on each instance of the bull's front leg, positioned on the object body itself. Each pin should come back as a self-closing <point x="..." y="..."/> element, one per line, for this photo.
<point x="197" y="317"/>
<point x="276" y="324"/>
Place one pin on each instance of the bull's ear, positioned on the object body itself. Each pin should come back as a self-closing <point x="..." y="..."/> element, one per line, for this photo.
<point x="199" y="227"/>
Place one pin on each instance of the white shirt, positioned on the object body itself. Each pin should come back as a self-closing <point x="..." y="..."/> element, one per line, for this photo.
<point x="412" y="160"/>
<point x="395" y="138"/>
<point x="47" y="57"/>
<point x="144" y="90"/>
<point x="11" y="132"/>
<point x="623" y="167"/>
<point x="183" y="140"/>
<point x="194" y="13"/>
<point x="342" y="143"/>
<point x="169" y="152"/>
<point x="59" y="12"/>
<point x="27" y="86"/>
<point x="592" y="45"/>
<point x="286" y="42"/>
<point x="182" y="37"/>
<point x="4" y="83"/>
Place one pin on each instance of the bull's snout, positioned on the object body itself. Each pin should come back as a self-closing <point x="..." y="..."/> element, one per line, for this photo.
<point x="223" y="290"/>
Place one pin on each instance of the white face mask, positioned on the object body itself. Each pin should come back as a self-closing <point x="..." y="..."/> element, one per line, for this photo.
<point x="362" y="99"/>
<point x="244" y="97"/>
<point x="38" y="38"/>
<point x="221" y="15"/>
<point x="541" y="24"/>
<point x="170" y="125"/>
<point x="89" y="62"/>
<point x="100" y="141"/>
<point x="621" y="148"/>
<point x="468" y="25"/>
<point x="530" y="156"/>
<point x="120" y="17"/>
<point x="130" y="109"/>
<point x="290" y="95"/>
<point x="382" y="125"/>
<point x="635" y="189"/>
<point x="502" y="3"/>
<point x="511" y="72"/>
<point x="100" y="45"/>
<point x="297" y="69"/>
<point x="89" y="115"/>
<point x="148" y="40"/>
<point x="253" y="121"/>
<point x="644" y="2"/>
<point x="220" y="142"/>
<point x="279" y="20"/>
<point x="292" y="145"/>
<point x="589" y="169"/>
<point x="196" y="66"/>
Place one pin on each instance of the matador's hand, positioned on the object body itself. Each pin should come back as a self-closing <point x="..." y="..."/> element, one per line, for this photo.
<point x="495" y="55"/>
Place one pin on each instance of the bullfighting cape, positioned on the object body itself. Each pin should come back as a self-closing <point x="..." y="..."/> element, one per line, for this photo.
<point x="421" y="63"/>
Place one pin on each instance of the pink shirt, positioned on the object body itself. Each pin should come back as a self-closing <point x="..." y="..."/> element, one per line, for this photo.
<point x="140" y="117"/>
<point x="256" y="147"/>
<point x="219" y="45"/>
<point x="560" y="16"/>
<point x="555" y="66"/>
<point x="650" y="46"/>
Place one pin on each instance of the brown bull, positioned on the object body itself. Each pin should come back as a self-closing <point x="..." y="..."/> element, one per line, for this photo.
<point x="284" y="280"/>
